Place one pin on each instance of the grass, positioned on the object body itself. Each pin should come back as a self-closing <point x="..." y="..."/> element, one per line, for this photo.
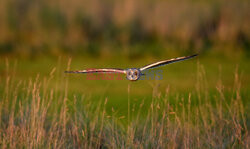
<point x="53" y="110"/>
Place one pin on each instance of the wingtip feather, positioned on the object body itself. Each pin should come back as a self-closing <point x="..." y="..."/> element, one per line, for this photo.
<point x="194" y="55"/>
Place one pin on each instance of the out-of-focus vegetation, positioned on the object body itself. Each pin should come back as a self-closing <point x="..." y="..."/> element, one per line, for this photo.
<point x="199" y="103"/>
<point x="128" y="27"/>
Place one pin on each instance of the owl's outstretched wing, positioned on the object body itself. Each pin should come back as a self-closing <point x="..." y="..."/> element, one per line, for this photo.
<point x="166" y="62"/>
<point x="109" y="70"/>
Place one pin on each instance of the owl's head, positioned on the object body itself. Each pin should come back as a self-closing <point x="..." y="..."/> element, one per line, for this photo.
<point x="133" y="74"/>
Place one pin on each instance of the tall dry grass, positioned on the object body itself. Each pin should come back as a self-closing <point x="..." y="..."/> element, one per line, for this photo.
<point x="35" y="115"/>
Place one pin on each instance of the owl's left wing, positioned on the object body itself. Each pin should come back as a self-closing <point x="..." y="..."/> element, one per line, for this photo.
<point x="166" y="62"/>
<point x="109" y="70"/>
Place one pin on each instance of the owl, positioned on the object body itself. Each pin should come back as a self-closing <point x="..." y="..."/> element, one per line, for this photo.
<point x="133" y="74"/>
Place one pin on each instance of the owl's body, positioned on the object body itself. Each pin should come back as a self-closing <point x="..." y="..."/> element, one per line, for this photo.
<point x="133" y="74"/>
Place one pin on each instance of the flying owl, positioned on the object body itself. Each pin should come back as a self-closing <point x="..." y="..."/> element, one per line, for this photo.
<point x="133" y="74"/>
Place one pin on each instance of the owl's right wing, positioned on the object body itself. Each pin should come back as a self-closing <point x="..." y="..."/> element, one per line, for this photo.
<point x="109" y="70"/>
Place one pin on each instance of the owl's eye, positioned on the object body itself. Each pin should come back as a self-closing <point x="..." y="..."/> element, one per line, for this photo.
<point x="136" y="73"/>
<point x="129" y="73"/>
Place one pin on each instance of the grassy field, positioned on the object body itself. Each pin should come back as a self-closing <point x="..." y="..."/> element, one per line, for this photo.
<point x="200" y="103"/>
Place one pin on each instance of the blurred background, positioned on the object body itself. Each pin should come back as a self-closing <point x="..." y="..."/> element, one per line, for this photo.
<point x="129" y="28"/>
<point x="39" y="35"/>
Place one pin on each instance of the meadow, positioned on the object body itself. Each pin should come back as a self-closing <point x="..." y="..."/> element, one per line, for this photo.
<point x="200" y="103"/>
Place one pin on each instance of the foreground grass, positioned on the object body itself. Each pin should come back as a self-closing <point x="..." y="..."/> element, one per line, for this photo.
<point x="36" y="114"/>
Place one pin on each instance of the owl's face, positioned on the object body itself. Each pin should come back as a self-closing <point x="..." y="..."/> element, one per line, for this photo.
<point x="133" y="74"/>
